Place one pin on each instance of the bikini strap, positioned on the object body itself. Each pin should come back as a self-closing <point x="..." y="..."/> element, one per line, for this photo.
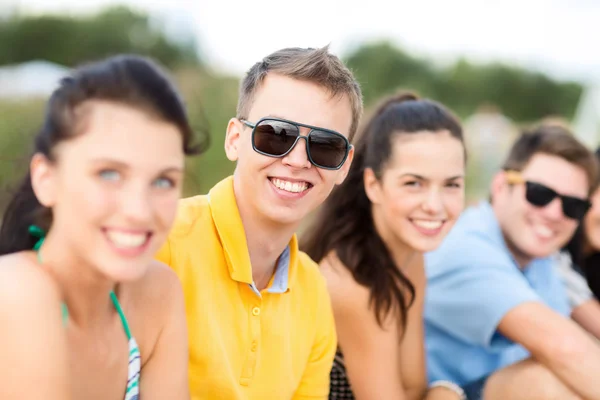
<point x="115" y="301"/>
<point x="40" y="234"/>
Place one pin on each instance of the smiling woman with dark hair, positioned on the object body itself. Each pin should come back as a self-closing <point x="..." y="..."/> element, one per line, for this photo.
<point x="85" y="311"/>
<point x="403" y="193"/>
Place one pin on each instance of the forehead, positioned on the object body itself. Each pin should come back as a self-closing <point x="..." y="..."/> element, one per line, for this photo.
<point x="429" y="154"/>
<point x="301" y="101"/>
<point x="116" y="131"/>
<point x="558" y="174"/>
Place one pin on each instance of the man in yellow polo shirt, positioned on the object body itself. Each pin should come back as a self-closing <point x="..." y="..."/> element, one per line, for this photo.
<point x="259" y="315"/>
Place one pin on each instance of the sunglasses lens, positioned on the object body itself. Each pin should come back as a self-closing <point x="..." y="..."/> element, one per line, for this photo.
<point x="327" y="149"/>
<point x="575" y="208"/>
<point x="538" y="194"/>
<point x="274" y="138"/>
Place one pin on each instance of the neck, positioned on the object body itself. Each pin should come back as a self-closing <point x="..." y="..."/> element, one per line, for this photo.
<point x="85" y="291"/>
<point x="266" y="241"/>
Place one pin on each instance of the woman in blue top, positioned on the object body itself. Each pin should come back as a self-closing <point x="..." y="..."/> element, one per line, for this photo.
<point x="85" y="311"/>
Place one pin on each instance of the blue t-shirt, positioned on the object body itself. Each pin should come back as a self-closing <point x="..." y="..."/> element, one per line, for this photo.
<point x="472" y="282"/>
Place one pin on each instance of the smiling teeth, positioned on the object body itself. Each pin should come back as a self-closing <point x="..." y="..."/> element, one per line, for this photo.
<point x="543" y="231"/>
<point x="293" y="187"/>
<point x="430" y="225"/>
<point x="126" y="240"/>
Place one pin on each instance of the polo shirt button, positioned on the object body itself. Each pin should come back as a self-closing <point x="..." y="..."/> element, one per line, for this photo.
<point x="256" y="311"/>
<point x="254" y="346"/>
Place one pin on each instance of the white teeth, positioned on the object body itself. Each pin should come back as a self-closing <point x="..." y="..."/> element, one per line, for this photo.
<point x="543" y="231"/>
<point x="431" y="225"/>
<point x="294" y="187"/>
<point x="126" y="240"/>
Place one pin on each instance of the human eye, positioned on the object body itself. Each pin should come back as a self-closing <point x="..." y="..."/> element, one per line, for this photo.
<point x="163" y="183"/>
<point x="412" y="183"/>
<point x="109" y="175"/>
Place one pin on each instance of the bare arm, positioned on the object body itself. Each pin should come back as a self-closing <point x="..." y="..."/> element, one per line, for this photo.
<point x="164" y="374"/>
<point x="34" y="361"/>
<point x="412" y="349"/>
<point x="587" y="315"/>
<point x="557" y="343"/>
<point x="372" y="353"/>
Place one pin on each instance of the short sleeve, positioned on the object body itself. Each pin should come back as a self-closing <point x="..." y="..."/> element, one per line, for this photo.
<point x="469" y="301"/>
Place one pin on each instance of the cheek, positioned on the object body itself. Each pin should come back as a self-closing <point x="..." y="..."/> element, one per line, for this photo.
<point x="165" y="208"/>
<point x="398" y="206"/>
<point x="569" y="228"/>
<point x="250" y="162"/>
<point x="83" y="198"/>
<point x="454" y="204"/>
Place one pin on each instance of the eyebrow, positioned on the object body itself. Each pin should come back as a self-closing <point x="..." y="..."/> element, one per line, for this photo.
<point x="423" y="178"/>
<point x="123" y="165"/>
<point x="276" y="116"/>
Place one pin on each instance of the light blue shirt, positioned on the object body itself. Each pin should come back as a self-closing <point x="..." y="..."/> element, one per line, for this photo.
<point x="472" y="282"/>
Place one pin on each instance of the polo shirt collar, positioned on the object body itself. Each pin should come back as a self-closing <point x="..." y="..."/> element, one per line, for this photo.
<point x="230" y="229"/>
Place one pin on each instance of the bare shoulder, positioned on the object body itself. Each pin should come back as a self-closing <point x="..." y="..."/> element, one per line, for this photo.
<point x="24" y="285"/>
<point x="345" y="292"/>
<point x="158" y="287"/>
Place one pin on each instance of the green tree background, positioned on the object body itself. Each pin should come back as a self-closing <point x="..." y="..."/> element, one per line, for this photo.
<point x="381" y="68"/>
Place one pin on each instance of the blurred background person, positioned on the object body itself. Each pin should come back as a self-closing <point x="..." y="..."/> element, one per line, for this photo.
<point x="80" y="235"/>
<point x="579" y="266"/>
<point x="496" y="311"/>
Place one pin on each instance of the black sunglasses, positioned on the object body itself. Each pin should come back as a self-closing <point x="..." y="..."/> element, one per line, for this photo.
<point x="541" y="195"/>
<point x="275" y="137"/>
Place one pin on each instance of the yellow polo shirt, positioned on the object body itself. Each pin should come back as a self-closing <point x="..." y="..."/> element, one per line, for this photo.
<point x="275" y="344"/>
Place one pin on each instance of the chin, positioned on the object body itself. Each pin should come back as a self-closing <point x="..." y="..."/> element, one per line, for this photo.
<point x="285" y="216"/>
<point x="126" y="270"/>
<point x="537" y="251"/>
<point x="425" y="245"/>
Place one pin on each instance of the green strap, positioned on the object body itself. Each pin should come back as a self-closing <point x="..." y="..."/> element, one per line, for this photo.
<point x="115" y="301"/>
<point x="65" y="313"/>
<point x="39" y="233"/>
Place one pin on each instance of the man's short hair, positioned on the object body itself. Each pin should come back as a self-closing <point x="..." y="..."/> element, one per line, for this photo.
<point x="553" y="140"/>
<point x="312" y="65"/>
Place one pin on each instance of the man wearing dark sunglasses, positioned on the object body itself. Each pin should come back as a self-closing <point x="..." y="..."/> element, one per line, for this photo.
<point x="259" y="314"/>
<point x="497" y="315"/>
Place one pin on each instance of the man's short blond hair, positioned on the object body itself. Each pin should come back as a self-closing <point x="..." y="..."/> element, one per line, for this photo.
<point x="306" y="64"/>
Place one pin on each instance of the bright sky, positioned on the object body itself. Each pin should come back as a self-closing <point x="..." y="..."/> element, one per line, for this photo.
<point x="556" y="36"/>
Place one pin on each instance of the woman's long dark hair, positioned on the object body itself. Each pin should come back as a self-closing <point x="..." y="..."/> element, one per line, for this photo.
<point x="345" y="224"/>
<point x="131" y="80"/>
<point x="586" y="264"/>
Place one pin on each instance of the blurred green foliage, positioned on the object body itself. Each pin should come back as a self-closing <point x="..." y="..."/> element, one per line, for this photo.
<point x="522" y="95"/>
<point x="381" y="68"/>
<point x="69" y="40"/>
